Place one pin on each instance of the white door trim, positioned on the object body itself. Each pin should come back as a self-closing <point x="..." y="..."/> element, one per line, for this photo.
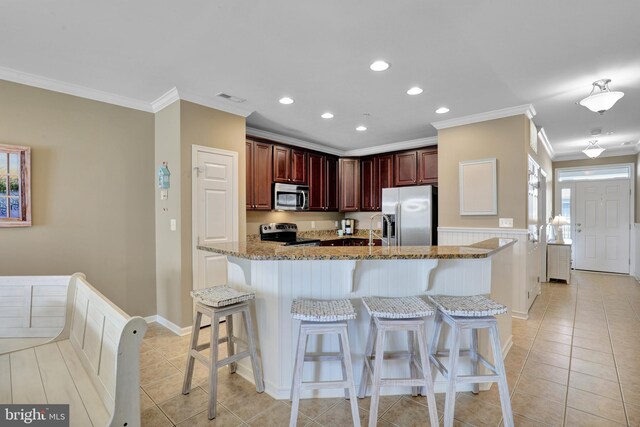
<point x="632" y="205"/>
<point x="194" y="211"/>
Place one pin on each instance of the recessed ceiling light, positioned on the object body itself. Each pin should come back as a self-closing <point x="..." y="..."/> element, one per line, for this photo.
<point x="286" y="100"/>
<point x="327" y="116"/>
<point x="361" y="128"/>
<point x="414" y="91"/>
<point x="442" y="110"/>
<point x="379" y="66"/>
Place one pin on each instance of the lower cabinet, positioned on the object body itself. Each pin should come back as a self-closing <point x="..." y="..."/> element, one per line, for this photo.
<point x="559" y="261"/>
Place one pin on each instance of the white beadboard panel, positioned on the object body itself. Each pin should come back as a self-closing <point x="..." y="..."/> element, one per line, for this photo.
<point x="277" y="283"/>
<point x="34" y="304"/>
<point x="637" y="251"/>
<point x="465" y="236"/>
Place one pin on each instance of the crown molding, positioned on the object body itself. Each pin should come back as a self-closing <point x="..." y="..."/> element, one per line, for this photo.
<point x="608" y="152"/>
<point x="165" y="100"/>
<point x="394" y="146"/>
<point x="526" y="109"/>
<point x="41" y="82"/>
<point x="385" y="148"/>
<point x="545" y="143"/>
<point x="293" y="141"/>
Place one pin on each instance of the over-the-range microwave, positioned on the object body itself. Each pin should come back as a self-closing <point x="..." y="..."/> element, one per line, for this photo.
<point x="288" y="197"/>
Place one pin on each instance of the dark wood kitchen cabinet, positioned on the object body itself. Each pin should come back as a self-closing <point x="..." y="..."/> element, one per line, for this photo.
<point x="428" y="166"/>
<point x="332" y="188"/>
<point x="289" y="165"/>
<point x="323" y="182"/>
<point x="316" y="182"/>
<point x="376" y="173"/>
<point x="405" y="168"/>
<point x="349" y="178"/>
<point x="259" y="175"/>
<point x="416" y="167"/>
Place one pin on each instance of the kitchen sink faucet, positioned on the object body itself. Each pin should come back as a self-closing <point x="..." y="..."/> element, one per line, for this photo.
<point x="371" y="233"/>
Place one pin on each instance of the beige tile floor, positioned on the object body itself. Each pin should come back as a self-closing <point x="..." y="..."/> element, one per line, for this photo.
<point x="575" y="362"/>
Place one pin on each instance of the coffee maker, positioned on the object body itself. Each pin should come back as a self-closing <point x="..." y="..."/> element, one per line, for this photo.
<point x="348" y="226"/>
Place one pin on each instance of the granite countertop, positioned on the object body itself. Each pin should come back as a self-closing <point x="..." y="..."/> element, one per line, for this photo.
<point x="258" y="250"/>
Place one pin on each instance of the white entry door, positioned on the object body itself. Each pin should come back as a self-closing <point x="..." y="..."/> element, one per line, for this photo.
<point x="215" y="211"/>
<point x="602" y="226"/>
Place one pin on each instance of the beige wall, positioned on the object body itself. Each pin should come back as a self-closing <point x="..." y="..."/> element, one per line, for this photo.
<point x="92" y="193"/>
<point x="168" y="250"/>
<point x="503" y="139"/>
<point x="179" y="127"/>
<point x="632" y="158"/>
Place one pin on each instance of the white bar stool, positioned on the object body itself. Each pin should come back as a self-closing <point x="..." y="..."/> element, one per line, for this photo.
<point x="218" y="302"/>
<point x="320" y="317"/>
<point x="474" y="313"/>
<point x="397" y="314"/>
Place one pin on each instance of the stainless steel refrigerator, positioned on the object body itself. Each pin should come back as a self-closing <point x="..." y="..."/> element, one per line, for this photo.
<point x="413" y="213"/>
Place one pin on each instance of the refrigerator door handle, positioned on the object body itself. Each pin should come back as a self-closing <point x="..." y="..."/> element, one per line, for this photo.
<point x="398" y="225"/>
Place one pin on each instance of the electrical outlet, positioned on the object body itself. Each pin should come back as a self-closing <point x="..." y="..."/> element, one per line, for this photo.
<point x="313" y="224"/>
<point x="336" y="224"/>
<point x="506" y="222"/>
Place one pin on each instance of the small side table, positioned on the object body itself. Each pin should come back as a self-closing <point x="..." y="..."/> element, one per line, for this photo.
<point x="559" y="260"/>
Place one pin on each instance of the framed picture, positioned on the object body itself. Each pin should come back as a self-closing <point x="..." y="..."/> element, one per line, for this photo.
<point x="15" y="186"/>
<point x="478" y="187"/>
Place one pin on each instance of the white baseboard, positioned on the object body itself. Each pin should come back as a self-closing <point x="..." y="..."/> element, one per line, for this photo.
<point x="168" y="324"/>
<point x="519" y="315"/>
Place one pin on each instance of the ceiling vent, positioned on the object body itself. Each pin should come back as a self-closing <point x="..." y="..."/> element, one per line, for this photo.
<point x="230" y="97"/>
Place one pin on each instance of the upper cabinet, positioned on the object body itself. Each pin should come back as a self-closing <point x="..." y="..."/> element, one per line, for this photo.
<point x="259" y="175"/>
<point x="416" y="167"/>
<point x="289" y="165"/>
<point x="349" y="179"/>
<point x="428" y="166"/>
<point x="376" y="173"/>
<point x="323" y="182"/>
<point x="406" y="164"/>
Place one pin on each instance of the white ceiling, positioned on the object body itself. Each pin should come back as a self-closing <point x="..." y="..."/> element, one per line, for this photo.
<point x="470" y="56"/>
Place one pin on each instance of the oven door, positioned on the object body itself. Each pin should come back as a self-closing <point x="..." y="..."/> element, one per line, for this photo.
<point x="288" y="197"/>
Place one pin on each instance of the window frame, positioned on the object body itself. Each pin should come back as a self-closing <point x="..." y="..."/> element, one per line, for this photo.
<point x="25" y="186"/>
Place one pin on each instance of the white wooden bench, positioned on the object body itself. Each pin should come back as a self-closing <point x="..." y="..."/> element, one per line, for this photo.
<point x="93" y="364"/>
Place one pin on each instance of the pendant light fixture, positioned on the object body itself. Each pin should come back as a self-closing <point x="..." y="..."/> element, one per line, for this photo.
<point x="604" y="99"/>
<point x="593" y="150"/>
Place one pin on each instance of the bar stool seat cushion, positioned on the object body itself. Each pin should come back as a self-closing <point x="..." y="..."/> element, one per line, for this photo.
<point x="221" y="296"/>
<point x="470" y="306"/>
<point x="317" y="310"/>
<point x="397" y="308"/>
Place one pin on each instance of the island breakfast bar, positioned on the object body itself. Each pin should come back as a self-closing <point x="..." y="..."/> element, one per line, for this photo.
<point x="278" y="274"/>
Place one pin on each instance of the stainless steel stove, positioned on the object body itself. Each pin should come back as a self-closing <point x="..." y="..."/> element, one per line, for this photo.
<point x="286" y="233"/>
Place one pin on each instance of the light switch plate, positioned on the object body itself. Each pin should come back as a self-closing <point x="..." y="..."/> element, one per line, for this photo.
<point x="506" y="222"/>
<point x="173" y="226"/>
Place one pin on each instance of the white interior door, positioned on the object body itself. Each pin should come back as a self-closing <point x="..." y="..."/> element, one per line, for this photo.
<point x="602" y="226"/>
<point x="215" y="211"/>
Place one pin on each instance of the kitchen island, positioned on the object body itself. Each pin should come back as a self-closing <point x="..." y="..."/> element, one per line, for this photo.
<point x="278" y="274"/>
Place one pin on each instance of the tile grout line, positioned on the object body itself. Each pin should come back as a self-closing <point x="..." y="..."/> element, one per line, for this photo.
<point x="615" y="364"/>
<point x="573" y="331"/>
<point x="526" y="358"/>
